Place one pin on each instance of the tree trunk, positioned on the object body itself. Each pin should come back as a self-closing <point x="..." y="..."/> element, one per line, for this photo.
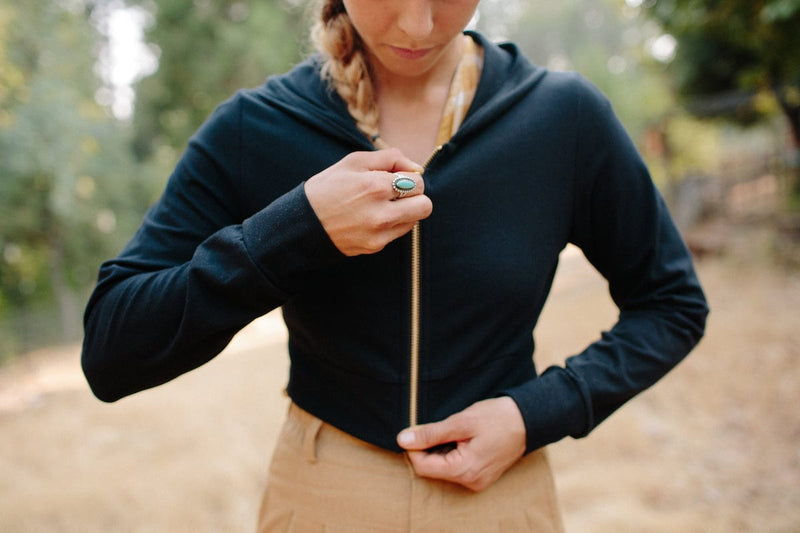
<point x="793" y="116"/>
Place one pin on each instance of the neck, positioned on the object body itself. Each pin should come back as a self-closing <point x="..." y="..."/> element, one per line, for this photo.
<point x="410" y="108"/>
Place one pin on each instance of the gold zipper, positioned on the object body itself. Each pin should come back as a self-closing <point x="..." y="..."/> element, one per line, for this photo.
<point x="413" y="388"/>
<point x="414" y="362"/>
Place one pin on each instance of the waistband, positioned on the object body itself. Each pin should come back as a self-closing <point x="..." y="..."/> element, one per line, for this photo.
<point x="320" y="441"/>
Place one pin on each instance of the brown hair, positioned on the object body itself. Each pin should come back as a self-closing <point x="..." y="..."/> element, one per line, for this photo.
<point x="345" y="64"/>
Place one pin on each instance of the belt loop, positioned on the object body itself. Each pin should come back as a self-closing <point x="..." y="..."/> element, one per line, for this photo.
<point x="310" y="439"/>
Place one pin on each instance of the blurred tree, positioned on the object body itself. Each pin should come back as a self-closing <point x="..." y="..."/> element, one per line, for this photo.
<point x="66" y="174"/>
<point x="732" y="54"/>
<point x="604" y="41"/>
<point x="207" y="49"/>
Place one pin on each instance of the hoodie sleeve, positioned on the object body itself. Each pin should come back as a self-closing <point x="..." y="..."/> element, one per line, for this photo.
<point x="624" y="229"/>
<point x="197" y="271"/>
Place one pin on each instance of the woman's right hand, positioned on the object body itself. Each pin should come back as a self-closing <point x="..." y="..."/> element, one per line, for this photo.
<point x="356" y="204"/>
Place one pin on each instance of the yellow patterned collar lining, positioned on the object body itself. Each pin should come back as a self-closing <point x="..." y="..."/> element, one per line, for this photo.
<point x="462" y="90"/>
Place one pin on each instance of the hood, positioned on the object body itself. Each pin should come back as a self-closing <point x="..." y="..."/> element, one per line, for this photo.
<point x="507" y="77"/>
<point x="302" y="94"/>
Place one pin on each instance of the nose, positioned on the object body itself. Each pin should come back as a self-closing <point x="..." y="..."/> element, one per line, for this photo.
<point x="415" y="18"/>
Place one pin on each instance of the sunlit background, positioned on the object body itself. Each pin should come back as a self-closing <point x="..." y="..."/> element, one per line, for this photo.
<point x="99" y="97"/>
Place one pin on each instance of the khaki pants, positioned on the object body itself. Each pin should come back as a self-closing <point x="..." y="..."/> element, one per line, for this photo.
<point x="322" y="479"/>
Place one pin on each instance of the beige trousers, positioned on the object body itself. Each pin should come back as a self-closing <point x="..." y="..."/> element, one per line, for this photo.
<point x="324" y="480"/>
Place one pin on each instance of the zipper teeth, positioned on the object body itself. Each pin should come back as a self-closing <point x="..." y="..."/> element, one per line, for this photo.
<point x="413" y="389"/>
<point x="414" y="366"/>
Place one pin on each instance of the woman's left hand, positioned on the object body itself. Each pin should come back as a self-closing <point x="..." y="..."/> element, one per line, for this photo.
<point x="489" y="437"/>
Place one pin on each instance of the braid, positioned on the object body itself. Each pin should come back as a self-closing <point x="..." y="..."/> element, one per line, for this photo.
<point x="345" y="65"/>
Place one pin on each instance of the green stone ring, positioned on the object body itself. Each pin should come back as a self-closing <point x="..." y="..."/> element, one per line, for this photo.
<point x="403" y="185"/>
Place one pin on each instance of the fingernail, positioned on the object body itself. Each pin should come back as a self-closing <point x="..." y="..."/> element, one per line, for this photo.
<point x="405" y="438"/>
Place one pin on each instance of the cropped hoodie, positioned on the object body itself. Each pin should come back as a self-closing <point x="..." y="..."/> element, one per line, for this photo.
<point x="540" y="161"/>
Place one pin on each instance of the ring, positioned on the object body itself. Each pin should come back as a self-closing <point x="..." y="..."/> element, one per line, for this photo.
<point x="403" y="185"/>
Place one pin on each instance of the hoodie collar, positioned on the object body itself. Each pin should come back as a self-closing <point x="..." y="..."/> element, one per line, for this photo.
<point x="507" y="77"/>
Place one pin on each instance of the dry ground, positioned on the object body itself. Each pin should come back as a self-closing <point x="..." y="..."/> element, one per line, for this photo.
<point x="715" y="446"/>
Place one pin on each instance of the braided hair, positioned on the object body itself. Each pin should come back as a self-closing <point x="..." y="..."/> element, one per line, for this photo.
<point x="345" y="65"/>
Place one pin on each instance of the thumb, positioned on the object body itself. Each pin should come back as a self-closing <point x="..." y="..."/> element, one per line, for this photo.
<point x="427" y="436"/>
<point x="407" y="165"/>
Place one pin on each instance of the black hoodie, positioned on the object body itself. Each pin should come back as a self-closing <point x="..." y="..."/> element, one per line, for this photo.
<point x="540" y="161"/>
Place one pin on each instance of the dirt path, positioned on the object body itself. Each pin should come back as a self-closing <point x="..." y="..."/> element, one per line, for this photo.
<point x="713" y="447"/>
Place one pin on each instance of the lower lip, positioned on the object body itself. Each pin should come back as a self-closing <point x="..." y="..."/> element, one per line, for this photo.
<point x="405" y="53"/>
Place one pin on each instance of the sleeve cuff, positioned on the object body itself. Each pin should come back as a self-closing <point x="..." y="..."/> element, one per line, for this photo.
<point x="552" y="406"/>
<point x="287" y="241"/>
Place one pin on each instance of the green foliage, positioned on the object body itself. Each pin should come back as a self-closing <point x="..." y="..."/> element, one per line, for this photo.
<point x="694" y="148"/>
<point x="207" y="50"/>
<point x="731" y="51"/>
<point x="69" y="183"/>
<point x="72" y="187"/>
<point x="606" y="43"/>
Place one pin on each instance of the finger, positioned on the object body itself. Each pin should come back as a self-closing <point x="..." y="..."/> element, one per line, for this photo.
<point x="405" y="185"/>
<point x="394" y="221"/>
<point x="425" y="436"/>
<point x="400" y="163"/>
<point x="389" y="160"/>
<point x="461" y="465"/>
<point x="411" y="211"/>
<point x="448" y="467"/>
<point x="381" y="184"/>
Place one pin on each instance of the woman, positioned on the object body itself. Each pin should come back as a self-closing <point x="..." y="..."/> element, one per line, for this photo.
<point x="409" y="302"/>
